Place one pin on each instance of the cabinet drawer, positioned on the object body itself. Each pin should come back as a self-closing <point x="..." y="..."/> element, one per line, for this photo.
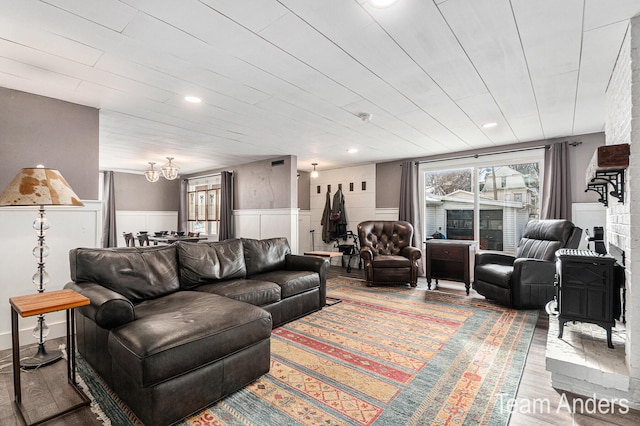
<point x="451" y="252"/>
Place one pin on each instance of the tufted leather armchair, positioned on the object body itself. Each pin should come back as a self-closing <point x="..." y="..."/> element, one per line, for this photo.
<point x="525" y="280"/>
<point x="385" y="248"/>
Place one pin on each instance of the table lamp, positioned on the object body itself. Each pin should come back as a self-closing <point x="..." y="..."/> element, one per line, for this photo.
<point x="40" y="187"/>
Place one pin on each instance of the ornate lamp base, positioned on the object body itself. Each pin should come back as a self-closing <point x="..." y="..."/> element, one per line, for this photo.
<point x="41" y="358"/>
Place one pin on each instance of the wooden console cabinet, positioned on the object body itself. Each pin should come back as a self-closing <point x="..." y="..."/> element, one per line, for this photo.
<point x="448" y="260"/>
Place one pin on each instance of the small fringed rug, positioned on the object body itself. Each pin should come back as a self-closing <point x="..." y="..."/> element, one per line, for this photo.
<point x="383" y="356"/>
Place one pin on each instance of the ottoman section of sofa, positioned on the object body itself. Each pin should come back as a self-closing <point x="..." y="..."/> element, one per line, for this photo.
<point x="185" y="331"/>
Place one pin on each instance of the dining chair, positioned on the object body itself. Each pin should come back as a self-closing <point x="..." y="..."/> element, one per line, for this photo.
<point x="129" y="240"/>
<point x="143" y="239"/>
<point x="194" y="234"/>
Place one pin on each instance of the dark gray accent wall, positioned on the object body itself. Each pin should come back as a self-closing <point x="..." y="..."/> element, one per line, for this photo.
<point x="57" y="134"/>
<point x="134" y="192"/>
<point x="388" y="184"/>
<point x="388" y="174"/>
<point x="304" y="190"/>
<point x="261" y="185"/>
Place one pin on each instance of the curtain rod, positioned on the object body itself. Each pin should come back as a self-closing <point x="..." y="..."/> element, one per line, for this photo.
<point x="204" y="176"/>
<point x="531" y="148"/>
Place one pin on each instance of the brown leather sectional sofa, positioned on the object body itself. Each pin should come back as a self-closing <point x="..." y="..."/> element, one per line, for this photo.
<point x="173" y="329"/>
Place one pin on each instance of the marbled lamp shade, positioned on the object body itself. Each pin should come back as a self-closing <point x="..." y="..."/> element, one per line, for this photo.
<point x="39" y="187"/>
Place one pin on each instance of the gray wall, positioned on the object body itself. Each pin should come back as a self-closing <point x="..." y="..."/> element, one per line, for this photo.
<point x="304" y="190"/>
<point x="578" y="162"/>
<point x="259" y="185"/>
<point x="388" y="184"/>
<point x="388" y="174"/>
<point x="134" y="192"/>
<point x="60" y="135"/>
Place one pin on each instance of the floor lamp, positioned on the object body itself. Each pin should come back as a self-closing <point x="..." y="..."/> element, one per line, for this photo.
<point x="40" y="187"/>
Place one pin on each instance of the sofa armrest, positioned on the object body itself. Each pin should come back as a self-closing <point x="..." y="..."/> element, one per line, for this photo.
<point x="107" y="309"/>
<point x="317" y="264"/>
<point x="500" y="258"/>
<point x="411" y="253"/>
<point x="295" y="262"/>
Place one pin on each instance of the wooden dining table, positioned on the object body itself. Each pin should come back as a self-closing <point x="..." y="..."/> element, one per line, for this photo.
<point x="168" y="239"/>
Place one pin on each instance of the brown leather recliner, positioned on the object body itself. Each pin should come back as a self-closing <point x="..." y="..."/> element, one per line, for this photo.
<point x="385" y="248"/>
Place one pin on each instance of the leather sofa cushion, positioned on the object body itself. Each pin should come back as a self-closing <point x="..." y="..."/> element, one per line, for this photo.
<point x="210" y="262"/>
<point x="265" y="255"/>
<point x="183" y="331"/>
<point x="291" y="282"/>
<point x="259" y="293"/>
<point x="390" y="261"/>
<point x="137" y="273"/>
<point x="494" y="273"/>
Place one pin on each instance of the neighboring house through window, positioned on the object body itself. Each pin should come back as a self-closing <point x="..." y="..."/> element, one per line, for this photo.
<point x="489" y="199"/>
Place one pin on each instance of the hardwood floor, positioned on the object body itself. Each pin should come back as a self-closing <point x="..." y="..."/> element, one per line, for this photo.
<point x="45" y="392"/>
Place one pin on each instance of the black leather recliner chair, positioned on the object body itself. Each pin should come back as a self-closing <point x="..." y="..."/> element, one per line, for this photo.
<point x="526" y="279"/>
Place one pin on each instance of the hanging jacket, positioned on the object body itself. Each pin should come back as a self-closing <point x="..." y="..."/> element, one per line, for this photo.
<point x="326" y="220"/>
<point x="339" y="224"/>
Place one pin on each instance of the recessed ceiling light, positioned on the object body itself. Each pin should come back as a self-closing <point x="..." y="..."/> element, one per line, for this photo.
<point x="352" y="150"/>
<point x="193" y="99"/>
<point x="489" y="125"/>
<point x="382" y="3"/>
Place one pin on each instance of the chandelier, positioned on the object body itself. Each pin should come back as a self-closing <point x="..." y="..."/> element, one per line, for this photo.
<point x="152" y="174"/>
<point x="169" y="171"/>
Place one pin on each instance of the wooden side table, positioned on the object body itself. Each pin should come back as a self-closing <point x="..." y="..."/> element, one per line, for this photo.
<point x="43" y="303"/>
<point x="448" y="260"/>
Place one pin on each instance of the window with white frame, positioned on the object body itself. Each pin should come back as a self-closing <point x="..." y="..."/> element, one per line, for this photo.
<point x="203" y="202"/>
<point x="488" y="199"/>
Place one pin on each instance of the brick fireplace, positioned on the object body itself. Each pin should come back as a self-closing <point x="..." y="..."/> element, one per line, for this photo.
<point x="583" y="372"/>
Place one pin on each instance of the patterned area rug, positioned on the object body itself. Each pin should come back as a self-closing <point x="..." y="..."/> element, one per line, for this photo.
<point x="382" y="356"/>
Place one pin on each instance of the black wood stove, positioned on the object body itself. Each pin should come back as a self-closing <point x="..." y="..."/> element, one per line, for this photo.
<point x="588" y="286"/>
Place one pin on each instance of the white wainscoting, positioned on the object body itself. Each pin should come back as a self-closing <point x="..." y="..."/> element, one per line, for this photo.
<point x="586" y="216"/>
<point x="306" y="237"/>
<point x="70" y="228"/>
<point x="359" y="203"/>
<point x="150" y="221"/>
<point x="268" y="223"/>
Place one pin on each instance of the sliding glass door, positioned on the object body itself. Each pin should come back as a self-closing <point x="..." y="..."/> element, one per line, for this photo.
<point x="488" y="199"/>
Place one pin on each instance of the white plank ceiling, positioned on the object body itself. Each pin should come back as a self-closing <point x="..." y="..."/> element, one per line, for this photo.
<point x="289" y="77"/>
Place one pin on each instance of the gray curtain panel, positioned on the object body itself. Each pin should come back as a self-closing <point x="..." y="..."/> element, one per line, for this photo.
<point x="109" y="233"/>
<point x="556" y="192"/>
<point x="410" y="205"/>
<point x="183" y="208"/>
<point x="226" y="206"/>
